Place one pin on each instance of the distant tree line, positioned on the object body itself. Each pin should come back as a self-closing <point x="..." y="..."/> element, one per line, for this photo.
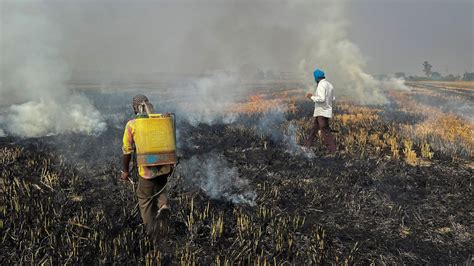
<point x="436" y="76"/>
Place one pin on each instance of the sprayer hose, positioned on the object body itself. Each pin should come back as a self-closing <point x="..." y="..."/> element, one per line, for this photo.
<point x="161" y="190"/>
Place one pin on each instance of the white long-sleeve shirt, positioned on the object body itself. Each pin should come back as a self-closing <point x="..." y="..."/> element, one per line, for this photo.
<point x="323" y="99"/>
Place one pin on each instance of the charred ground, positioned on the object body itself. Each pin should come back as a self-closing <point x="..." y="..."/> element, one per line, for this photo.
<point x="65" y="205"/>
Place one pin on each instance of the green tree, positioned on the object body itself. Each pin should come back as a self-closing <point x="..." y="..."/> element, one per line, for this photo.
<point x="427" y="68"/>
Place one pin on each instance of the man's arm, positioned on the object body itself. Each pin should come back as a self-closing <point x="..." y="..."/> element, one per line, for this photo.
<point x="310" y="93"/>
<point x="320" y="95"/>
<point x="126" y="166"/>
<point x="127" y="150"/>
<point x="126" y="162"/>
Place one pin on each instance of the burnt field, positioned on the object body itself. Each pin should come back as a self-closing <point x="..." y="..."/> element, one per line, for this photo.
<point x="399" y="190"/>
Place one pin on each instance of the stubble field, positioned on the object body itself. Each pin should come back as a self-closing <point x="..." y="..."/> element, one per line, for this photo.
<point x="399" y="190"/>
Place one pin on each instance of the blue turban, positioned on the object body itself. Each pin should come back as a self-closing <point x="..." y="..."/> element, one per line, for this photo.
<point x="318" y="74"/>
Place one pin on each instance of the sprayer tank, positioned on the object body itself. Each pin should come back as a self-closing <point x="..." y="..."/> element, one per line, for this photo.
<point x="155" y="140"/>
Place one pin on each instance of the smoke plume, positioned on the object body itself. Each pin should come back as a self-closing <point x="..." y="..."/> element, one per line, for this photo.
<point x="393" y="83"/>
<point x="34" y="97"/>
<point x="292" y="145"/>
<point x="327" y="46"/>
<point x="208" y="99"/>
<point x="217" y="178"/>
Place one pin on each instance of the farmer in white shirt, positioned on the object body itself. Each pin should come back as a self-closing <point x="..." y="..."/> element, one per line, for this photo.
<point x="323" y="99"/>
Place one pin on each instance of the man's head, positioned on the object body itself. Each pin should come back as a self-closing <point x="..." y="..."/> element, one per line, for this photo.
<point x="141" y="105"/>
<point x="318" y="75"/>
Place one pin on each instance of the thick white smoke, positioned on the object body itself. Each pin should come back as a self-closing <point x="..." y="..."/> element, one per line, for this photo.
<point x="328" y="47"/>
<point x="49" y="117"/>
<point x="217" y="178"/>
<point x="33" y="94"/>
<point x="393" y="83"/>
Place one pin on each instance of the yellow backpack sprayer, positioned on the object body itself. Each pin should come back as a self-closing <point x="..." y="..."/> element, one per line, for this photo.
<point x="156" y="140"/>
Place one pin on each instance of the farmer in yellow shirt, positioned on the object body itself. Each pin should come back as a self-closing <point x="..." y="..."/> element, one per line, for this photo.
<point x="151" y="191"/>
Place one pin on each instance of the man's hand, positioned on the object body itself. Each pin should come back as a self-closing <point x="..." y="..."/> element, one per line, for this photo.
<point x="125" y="176"/>
<point x="309" y="95"/>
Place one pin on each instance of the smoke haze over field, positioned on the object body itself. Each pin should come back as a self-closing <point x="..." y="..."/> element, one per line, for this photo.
<point x="43" y="42"/>
<point x="192" y="36"/>
<point x="208" y="99"/>
<point x="33" y="76"/>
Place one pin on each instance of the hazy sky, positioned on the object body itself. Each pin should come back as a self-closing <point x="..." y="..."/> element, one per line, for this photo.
<point x="392" y="35"/>
<point x="400" y="35"/>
